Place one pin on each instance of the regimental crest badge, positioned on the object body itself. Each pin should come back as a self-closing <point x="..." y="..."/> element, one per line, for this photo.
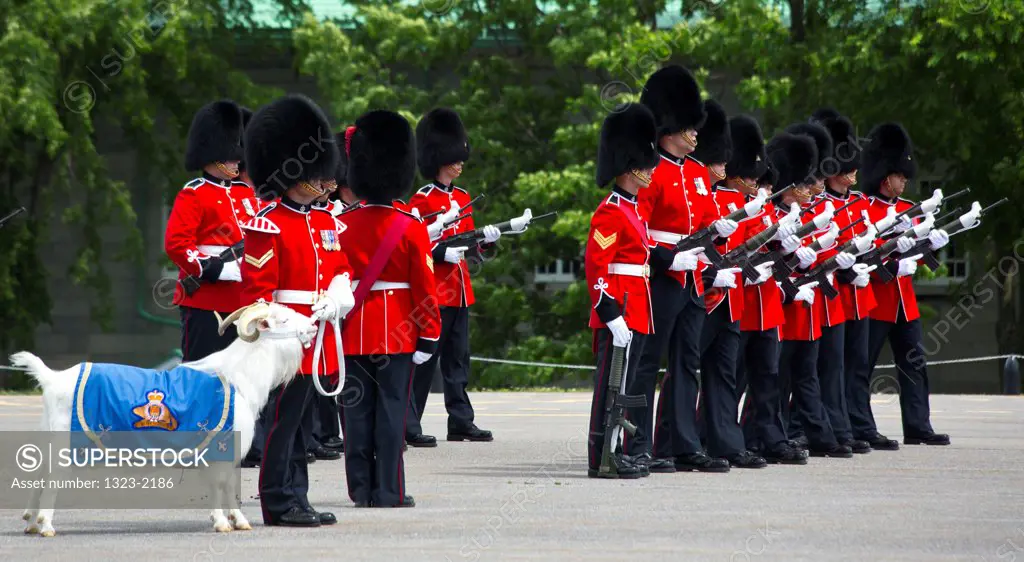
<point x="701" y="188"/>
<point x="604" y="242"/>
<point x="329" y="239"/>
<point x="731" y="207"/>
<point x="766" y="220"/>
<point x="155" y="413"/>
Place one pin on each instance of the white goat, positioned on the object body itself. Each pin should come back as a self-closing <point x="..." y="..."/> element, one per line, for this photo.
<point x="267" y="354"/>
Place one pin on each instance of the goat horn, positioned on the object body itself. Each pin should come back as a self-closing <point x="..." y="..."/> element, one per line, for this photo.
<point x="223" y="324"/>
<point x="252" y="313"/>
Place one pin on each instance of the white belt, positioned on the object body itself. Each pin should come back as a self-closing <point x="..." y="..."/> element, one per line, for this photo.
<point x="211" y="250"/>
<point x="285" y="296"/>
<point x="382" y="285"/>
<point x="629" y="269"/>
<point x="665" y="237"/>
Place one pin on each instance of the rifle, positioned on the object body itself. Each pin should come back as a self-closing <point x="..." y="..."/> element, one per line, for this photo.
<point x="876" y="255"/>
<point x="474" y="237"/>
<point x="616" y="402"/>
<point x="784" y="265"/>
<point x="191" y="283"/>
<point x="956" y="226"/>
<point x="438" y="212"/>
<point x="921" y="206"/>
<point x="351" y="207"/>
<point x="13" y="214"/>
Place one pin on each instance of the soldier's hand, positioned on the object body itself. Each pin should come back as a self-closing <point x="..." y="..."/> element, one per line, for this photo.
<point x="805" y="294"/>
<point x="230" y="272"/>
<point x="686" y="261"/>
<point x="806" y="257"/>
<point x="790" y="244"/>
<point x="938" y="238"/>
<point x="621" y="334"/>
<point x="904" y="244"/>
<point x="491" y="234"/>
<point x="863" y="278"/>
<point x="764" y="272"/>
<point x="420" y="357"/>
<point x="725" y="227"/>
<point x="454" y="255"/>
<point x="908" y="266"/>
<point x="325" y="309"/>
<point x="726" y="277"/>
<point x="845" y="260"/>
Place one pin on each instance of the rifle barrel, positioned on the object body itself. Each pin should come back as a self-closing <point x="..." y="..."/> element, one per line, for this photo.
<point x="851" y="225"/>
<point x="994" y="205"/>
<point x="13" y="214"/>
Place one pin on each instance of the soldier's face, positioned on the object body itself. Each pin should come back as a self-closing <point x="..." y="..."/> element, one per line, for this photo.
<point x="801" y="194"/>
<point x="817" y="187"/>
<point x="228" y="170"/>
<point x="717" y="172"/>
<point x="455" y="170"/>
<point x="688" y="140"/>
<point x="746" y="186"/>
<point x="894" y="184"/>
<point x="642" y="178"/>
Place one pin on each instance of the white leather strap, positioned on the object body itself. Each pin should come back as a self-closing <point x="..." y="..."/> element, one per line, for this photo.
<point x="285" y="296"/>
<point x="664" y="236"/>
<point x="211" y="250"/>
<point x="383" y="285"/>
<point x="629" y="269"/>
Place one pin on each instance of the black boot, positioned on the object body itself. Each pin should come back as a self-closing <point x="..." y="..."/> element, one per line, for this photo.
<point x="623" y="469"/>
<point x="857" y="446"/>
<point x="325" y="454"/>
<point x="880" y="442"/>
<point x="661" y="465"/>
<point x="746" y="459"/>
<point x="700" y="462"/>
<point x="471" y="433"/>
<point x="325" y="517"/>
<point x="336" y="443"/>
<point x="784" y="454"/>
<point x="298" y="517"/>
<point x="421" y="440"/>
<point x="834" y="451"/>
<point x="933" y="439"/>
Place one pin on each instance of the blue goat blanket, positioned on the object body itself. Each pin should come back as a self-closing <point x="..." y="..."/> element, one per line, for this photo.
<point x="122" y="406"/>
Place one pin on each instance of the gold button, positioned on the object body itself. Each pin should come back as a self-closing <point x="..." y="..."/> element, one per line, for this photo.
<point x="677" y="183"/>
<point x="218" y="202"/>
<point x="320" y="261"/>
<point x="321" y="276"/>
<point x="391" y="292"/>
<point x="311" y="230"/>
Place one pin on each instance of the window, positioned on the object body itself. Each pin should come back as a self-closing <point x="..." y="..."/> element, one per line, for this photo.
<point x="558" y="271"/>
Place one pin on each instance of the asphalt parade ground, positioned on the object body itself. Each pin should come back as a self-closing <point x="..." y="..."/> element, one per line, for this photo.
<point x="526" y="497"/>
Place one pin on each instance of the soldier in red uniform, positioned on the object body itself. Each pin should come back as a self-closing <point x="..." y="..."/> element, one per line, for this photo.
<point x="293" y="257"/>
<point x="677" y="203"/>
<point x="796" y="157"/>
<point x="205" y="222"/>
<point x="886" y="165"/>
<point x="831" y="312"/>
<point x="443" y="148"/>
<point x="720" y="334"/>
<point x="758" y="354"/>
<point x="396" y="324"/>
<point x="617" y="269"/>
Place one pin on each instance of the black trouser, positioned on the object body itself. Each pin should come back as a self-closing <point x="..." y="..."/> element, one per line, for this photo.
<point x="719" y="345"/>
<point x="453" y="354"/>
<point x="905" y="340"/>
<point x="199" y="336"/>
<point x="284" y="480"/>
<point x="798" y="374"/>
<point x="762" y="410"/>
<point x="678" y="316"/>
<point x="311" y="424"/>
<point x="324" y="421"/>
<point x="831" y="362"/>
<point x="603" y="358"/>
<point x="857" y="370"/>
<point x="375" y="427"/>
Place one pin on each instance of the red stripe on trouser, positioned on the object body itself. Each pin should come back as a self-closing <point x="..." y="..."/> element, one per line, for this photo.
<point x="599" y="400"/>
<point x="266" y="448"/>
<point x="405" y="419"/>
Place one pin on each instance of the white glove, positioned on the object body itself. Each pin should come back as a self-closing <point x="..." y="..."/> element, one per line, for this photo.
<point x="845" y="260"/>
<point x="827" y="240"/>
<point x="621" y="334"/>
<point x="790" y="244"/>
<point x="726" y="277"/>
<point x="970" y="218"/>
<point x="938" y="238"/>
<point x="825" y="216"/>
<point x="491" y="234"/>
<point x="764" y="272"/>
<point x="806" y="257"/>
<point x="686" y="261"/>
<point x="904" y="224"/>
<point x="325" y="309"/>
<point x="908" y="266"/>
<point x="231" y="272"/>
<point x="863" y="272"/>
<point x="786" y="229"/>
<point x="454" y="255"/>
<point x="337" y="301"/>
<point x="886" y="222"/>
<point x="420" y="357"/>
<point x="929" y="205"/>
<point x="904" y="244"/>
<point x="805" y="293"/>
<point x="519" y="225"/>
<point x="435" y="229"/>
<point x="725" y="227"/>
<point x="755" y="205"/>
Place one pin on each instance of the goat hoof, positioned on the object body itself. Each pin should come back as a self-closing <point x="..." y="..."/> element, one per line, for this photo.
<point x="31" y="530"/>
<point x="27" y="516"/>
<point x="223" y="527"/>
<point x="244" y="526"/>
<point x="48" y="533"/>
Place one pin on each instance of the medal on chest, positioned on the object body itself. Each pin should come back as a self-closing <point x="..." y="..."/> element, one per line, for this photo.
<point x="766" y="220"/>
<point x="329" y="239"/>
<point x="701" y="188"/>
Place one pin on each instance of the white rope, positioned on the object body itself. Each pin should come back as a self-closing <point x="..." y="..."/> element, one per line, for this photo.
<point x="588" y="367"/>
<point x="570" y="366"/>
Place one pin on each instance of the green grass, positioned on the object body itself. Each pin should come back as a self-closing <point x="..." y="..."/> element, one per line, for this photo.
<point x="28" y="392"/>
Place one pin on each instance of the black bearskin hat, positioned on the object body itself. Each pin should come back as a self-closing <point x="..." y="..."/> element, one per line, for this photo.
<point x="793" y="157"/>
<point x="286" y="143"/>
<point x="889" y="151"/>
<point x="627" y="143"/>
<point x="215" y="135"/>
<point x="749" y="159"/>
<point x="341" y="172"/>
<point x="770" y="176"/>
<point x="845" y="146"/>
<point x="823" y="143"/>
<point x="381" y="157"/>
<point x="246" y="117"/>
<point x="714" y="141"/>
<point x="673" y="96"/>
<point x="440" y="140"/>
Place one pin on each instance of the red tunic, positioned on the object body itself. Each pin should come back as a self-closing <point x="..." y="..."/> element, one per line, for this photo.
<point x="292" y="247"/>
<point x="206" y="219"/>
<point x="857" y="301"/>
<point x="678" y="202"/>
<point x="401" y="314"/>
<point x="898" y="293"/>
<point x="617" y="243"/>
<point x="453" y="285"/>
<point x="728" y="200"/>
<point x="803" y="322"/>
<point x="830" y="311"/>
<point x="762" y="304"/>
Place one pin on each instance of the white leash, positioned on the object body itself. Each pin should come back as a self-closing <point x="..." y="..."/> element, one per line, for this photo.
<point x="318" y="352"/>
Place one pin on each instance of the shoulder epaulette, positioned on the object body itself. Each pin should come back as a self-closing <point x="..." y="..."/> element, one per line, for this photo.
<point x="342" y="227"/>
<point x="905" y="200"/>
<point x="695" y="160"/>
<point x="263" y="212"/>
<point x="425" y="189"/>
<point x="194" y="184"/>
<point x="418" y="219"/>
<point x="262" y="224"/>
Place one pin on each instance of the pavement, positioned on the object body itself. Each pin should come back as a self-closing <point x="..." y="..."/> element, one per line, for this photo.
<point x="526" y="497"/>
